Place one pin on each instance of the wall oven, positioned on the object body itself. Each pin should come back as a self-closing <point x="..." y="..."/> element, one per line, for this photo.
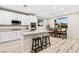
<point x="33" y="26"/>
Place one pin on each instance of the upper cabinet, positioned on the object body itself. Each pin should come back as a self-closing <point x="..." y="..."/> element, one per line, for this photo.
<point x="20" y="17"/>
<point x="32" y="18"/>
<point x="7" y="17"/>
<point x="25" y="20"/>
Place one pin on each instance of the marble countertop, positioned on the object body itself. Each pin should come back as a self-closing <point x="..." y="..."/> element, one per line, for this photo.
<point x="10" y="35"/>
<point x="13" y="27"/>
<point x="34" y="32"/>
<point x="25" y="32"/>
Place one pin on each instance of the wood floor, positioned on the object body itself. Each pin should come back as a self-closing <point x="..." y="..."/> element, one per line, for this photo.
<point x="62" y="46"/>
<point x="57" y="46"/>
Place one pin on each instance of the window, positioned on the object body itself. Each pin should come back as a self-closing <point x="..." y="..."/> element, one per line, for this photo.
<point x="61" y="23"/>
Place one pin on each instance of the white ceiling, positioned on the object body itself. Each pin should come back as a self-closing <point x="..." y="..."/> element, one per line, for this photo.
<point x="48" y="11"/>
<point x="45" y="11"/>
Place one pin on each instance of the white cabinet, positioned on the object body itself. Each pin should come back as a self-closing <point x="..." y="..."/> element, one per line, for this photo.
<point x="8" y="36"/>
<point x="25" y="20"/>
<point x="11" y="47"/>
<point x="5" y="18"/>
<point x="14" y="16"/>
<point x="33" y="18"/>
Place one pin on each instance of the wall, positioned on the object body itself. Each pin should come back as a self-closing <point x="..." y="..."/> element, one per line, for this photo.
<point x="51" y="22"/>
<point x="73" y="25"/>
<point x="41" y="28"/>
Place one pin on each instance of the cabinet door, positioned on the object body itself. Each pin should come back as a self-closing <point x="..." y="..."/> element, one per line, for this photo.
<point x="5" y="18"/>
<point x="33" y="18"/>
<point x="8" y="36"/>
<point x="25" y="20"/>
<point x="16" y="16"/>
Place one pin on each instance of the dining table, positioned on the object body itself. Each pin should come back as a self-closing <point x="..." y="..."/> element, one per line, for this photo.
<point x="58" y="33"/>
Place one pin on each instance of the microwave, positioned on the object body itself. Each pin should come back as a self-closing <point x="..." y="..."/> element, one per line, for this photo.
<point x="33" y="26"/>
<point x="16" y="22"/>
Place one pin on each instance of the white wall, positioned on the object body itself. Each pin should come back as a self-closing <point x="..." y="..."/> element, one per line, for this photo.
<point x="42" y="28"/>
<point x="73" y="25"/>
<point x="51" y="22"/>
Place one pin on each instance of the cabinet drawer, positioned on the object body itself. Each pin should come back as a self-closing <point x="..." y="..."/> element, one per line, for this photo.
<point x="11" y="47"/>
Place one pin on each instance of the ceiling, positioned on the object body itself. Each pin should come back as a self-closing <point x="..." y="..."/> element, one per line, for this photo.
<point x="46" y="11"/>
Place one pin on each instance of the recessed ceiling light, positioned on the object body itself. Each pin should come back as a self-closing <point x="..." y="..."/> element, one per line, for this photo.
<point x="54" y="7"/>
<point x="25" y="5"/>
<point x="62" y="9"/>
<point x="41" y="13"/>
<point x="66" y="12"/>
<point x="28" y="9"/>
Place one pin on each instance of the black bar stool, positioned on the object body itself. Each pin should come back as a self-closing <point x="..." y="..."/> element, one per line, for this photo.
<point x="45" y="41"/>
<point x="63" y="35"/>
<point x="36" y="44"/>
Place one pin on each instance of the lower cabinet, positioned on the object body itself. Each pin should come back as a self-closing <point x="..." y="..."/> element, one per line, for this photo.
<point x="28" y="41"/>
<point x="10" y="42"/>
<point x="11" y="47"/>
<point x="9" y="36"/>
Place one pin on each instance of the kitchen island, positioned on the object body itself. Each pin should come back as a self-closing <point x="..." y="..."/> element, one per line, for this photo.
<point x="27" y="40"/>
<point x="18" y="40"/>
<point x="10" y="38"/>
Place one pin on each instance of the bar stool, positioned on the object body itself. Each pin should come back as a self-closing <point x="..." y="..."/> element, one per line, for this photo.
<point x="36" y="44"/>
<point x="45" y="41"/>
<point x="63" y="35"/>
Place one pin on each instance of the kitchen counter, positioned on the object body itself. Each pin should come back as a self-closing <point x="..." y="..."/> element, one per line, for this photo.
<point x="9" y="35"/>
<point x="27" y="40"/>
<point x="6" y="36"/>
<point x="13" y="27"/>
<point x="34" y="32"/>
<point x="24" y="37"/>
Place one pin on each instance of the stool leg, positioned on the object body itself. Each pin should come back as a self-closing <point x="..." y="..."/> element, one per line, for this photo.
<point x="45" y="42"/>
<point x="41" y="44"/>
<point x="38" y="44"/>
<point x="35" y="46"/>
<point x="49" y="41"/>
<point x="32" y="45"/>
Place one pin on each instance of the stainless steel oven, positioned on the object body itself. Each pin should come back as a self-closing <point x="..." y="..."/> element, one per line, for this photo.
<point x="33" y="26"/>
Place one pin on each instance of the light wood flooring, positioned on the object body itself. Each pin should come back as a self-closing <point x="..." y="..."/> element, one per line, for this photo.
<point x="57" y="46"/>
<point x="62" y="46"/>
